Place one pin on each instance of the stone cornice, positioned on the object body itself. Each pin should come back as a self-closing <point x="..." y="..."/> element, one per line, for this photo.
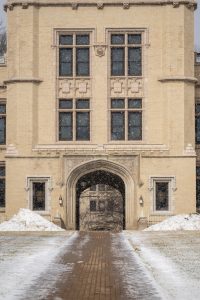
<point x="191" y="4"/>
<point x="178" y="78"/>
<point x="23" y="80"/>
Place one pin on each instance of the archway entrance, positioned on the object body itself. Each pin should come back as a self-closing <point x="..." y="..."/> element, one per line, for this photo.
<point x="100" y="201"/>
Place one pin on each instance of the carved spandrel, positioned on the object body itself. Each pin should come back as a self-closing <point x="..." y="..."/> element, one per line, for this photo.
<point x="65" y="88"/>
<point x="135" y="87"/>
<point x="118" y="87"/>
<point x="83" y="88"/>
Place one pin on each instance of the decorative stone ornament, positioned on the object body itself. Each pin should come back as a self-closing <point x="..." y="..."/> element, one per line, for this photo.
<point x="24" y="5"/>
<point x="126" y="5"/>
<point x="74" y="5"/>
<point x="176" y="4"/>
<point x="100" y="5"/>
<point x="100" y="50"/>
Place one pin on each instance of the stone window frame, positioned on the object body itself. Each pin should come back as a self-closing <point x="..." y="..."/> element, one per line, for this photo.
<point x="48" y="189"/>
<point x="126" y="110"/>
<point x="3" y="164"/>
<point x="74" y="111"/>
<point x="172" y="188"/>
<point x="4" y="115"/>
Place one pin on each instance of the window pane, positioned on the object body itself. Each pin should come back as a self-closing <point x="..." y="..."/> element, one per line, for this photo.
<point x="134" y="125"/>
<point x="117" y="61"/>
<point x="117" y="39"/>
<point x="198" y="171"/>
<point x="65" y="126"/>
<point x="66" y="39"/>
<point x="134" y="103"/>
<point x="2" y="130"/>
<point x="162" y="195"/>
<point x="117" y="126"/>
<point x="117" y="103"/>
<point x="197" y="108"/>
<point x="110" y="205"/>
<point x="93" y="205"/>
<point x="198" y="193"/>
<point x="134" y="62"/>
<point x="102" y="187"/>
<point x="65" y="62"/>
<point x="82" y="126"/>
<point x="102" y="205"/>
<point x="197" y="129"/>
<point x="93" y="188"/>
<point x="2" y="192"/>
<point x="82" y="104"/>
<point x="82" y="61"/>
<point x="65" y="104"/>
<point x="134" y="39"/>
<point x="82" y="39"/>
<point x="2" y="171"/>
<point x="38" y="195"/>
<point x="2" y="108"/>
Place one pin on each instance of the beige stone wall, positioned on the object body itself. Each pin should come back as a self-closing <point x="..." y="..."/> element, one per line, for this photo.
<point x="167" y="91"/>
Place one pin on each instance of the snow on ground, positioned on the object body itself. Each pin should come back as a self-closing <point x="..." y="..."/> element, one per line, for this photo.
<point x="172" y="258"/>
<point x="178" y="222"/>
<point x="27" y="220"/>
<point x="24" y="259"/>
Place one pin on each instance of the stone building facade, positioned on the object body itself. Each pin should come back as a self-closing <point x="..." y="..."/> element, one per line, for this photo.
<point x="98" y="93"/>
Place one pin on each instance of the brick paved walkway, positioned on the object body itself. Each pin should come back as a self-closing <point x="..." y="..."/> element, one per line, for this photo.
<point x="104" y="268"/>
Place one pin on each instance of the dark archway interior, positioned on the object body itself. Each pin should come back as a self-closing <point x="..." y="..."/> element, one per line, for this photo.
<point x="99" y="177"/>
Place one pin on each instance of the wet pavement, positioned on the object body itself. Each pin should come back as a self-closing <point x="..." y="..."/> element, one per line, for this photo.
<point x="100" y="265"/>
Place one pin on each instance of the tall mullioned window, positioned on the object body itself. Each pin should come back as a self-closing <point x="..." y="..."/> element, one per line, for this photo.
<point x="2" y="185"/>
<point x="74" y="55"/>
<point x="126" y="54"/>
<point x="74" y="120"/>
<point x="2" y="123"/>
<point x="126" y="119"/>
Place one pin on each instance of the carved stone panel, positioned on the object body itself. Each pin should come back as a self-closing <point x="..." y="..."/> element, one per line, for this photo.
<point x="135" y="87"/>
<point x="118" y="87"/>
<point x="82" y="88"/>
<point x="65" y="88"/>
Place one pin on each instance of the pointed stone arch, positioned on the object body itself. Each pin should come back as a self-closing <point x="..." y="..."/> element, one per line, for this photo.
<point x="104" y="165"/>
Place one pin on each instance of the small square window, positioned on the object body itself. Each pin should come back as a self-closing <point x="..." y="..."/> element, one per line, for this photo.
<point x="82" y="104"/>
<point x="93" y="188"/>
<point x="134" y="103"/>
<point x="65" y="104"/>
<point x="82" y="39"/>
<point x="134" y="39"/>
<point x="117" y="103"/>
<point x="117" y="39"/>
<point x="66" y="39"/>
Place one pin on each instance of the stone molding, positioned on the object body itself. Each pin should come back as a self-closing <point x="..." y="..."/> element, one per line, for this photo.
<point x="23" y="80"/>
<point x="178" y="78"/>
<point x="191" y="4"/>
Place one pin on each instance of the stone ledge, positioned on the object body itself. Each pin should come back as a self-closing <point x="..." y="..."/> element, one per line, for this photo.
<point x="178" y="78"/>
<point x="23" y="80"/>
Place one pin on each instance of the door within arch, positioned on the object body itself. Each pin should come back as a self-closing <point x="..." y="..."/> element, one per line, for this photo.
<point x="100" y="202"/>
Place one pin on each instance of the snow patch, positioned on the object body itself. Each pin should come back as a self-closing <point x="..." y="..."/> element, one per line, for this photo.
<point x="178" y="222"/>
<point x="27" y="220"/>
